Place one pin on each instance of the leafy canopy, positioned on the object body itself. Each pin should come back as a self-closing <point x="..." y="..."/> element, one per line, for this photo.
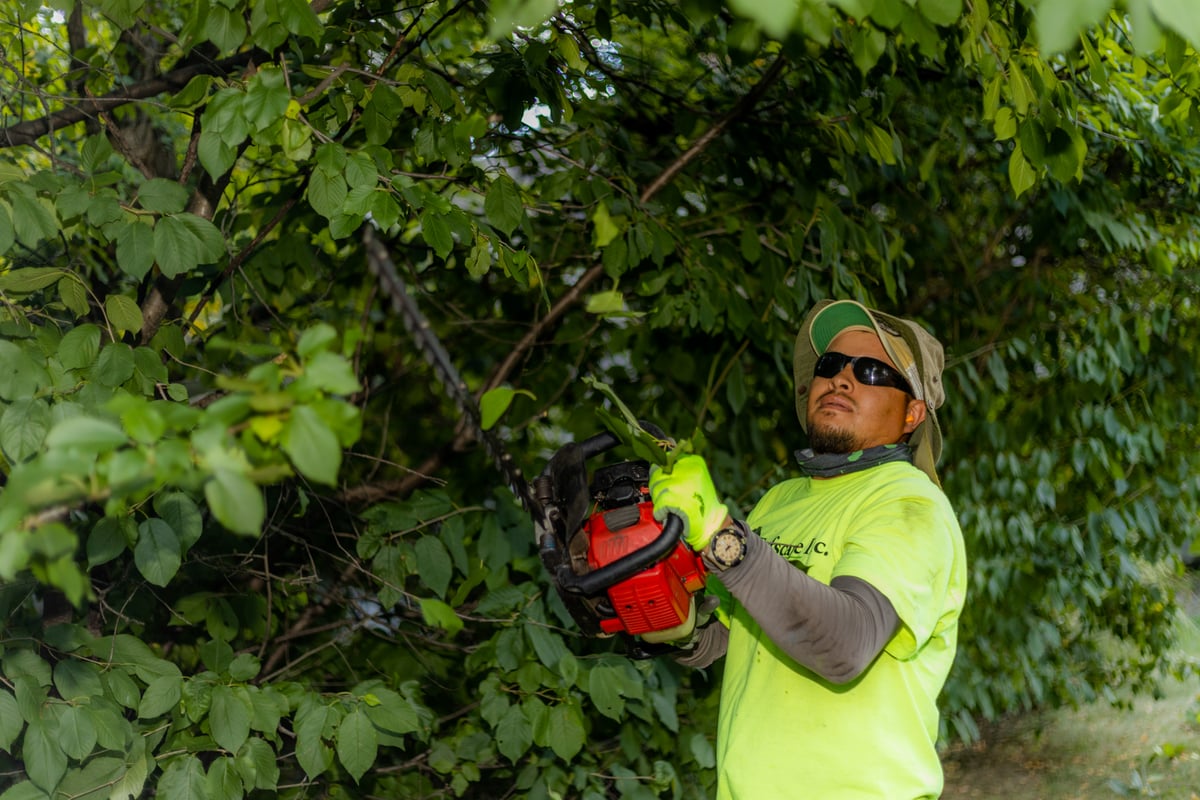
<point x="247" y="544"/>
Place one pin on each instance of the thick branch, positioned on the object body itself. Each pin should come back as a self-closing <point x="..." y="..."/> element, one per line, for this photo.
<point x="86" y="108"/>
<point x="743" y="107"/>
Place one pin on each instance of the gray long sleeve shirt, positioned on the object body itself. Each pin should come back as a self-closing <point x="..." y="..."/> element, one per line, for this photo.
<point x="836" y="630"/>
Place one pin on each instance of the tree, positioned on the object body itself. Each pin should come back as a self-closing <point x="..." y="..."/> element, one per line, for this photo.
<point x="249" y="545"/>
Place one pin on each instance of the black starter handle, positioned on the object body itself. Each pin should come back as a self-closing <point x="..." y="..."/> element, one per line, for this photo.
<point x="599" y="580"/>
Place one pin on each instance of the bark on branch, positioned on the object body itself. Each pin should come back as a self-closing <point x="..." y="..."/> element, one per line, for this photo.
<point x="86" y="108"/>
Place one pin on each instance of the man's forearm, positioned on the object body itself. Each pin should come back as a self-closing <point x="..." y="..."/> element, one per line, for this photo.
<point x="836" y="631"/>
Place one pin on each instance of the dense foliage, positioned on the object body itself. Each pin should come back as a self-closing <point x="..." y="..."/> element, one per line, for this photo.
<point x="248" y="544"/>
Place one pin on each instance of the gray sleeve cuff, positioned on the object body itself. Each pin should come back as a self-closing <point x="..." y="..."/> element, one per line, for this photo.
<point x="711" y="643"/>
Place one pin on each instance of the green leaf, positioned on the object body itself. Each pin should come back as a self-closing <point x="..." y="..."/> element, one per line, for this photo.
<point x="11" y="722"/>
<point x="130" y="785"/>
<point x="311" y="445"/>
<point x="1005" y="124"/>
<point x="163" y="196"/>
<point x="123" y="314"/>
<point x="33" y="219"/>
<point x="314" y="340"/>
<point x="176" y="248"/>
<point x="702" y="750"/>
<point x="1060" y="23"/>
<point x="216" y="155"/>
<point x="77" y="680"/>
<point x="311" y="752"/>
<point x="331" y="373"/>
<point x="357" y="743"/>
<point x="606" y="303"/>
<point x="394" y="714"/>
<point x="108" y="540"/>
<point x="76" y="731"/>
<point x="183" y="779"/>
<point x="606" y="685"/>
<point x="441" y="615"/>
<point x="514" y="734"/>
<point x="1021" y="174"/>
<point x="503" y="205"/>
<point x="299" y="18"/>
<point x="495" y="402"/>
<point x="229" y="717"/>
<point x="327" y="193"/>
<point x="548" y="644"/>
<point x="223" y="780"/>
<point x="479" y="260"/>
<point x="79" y="347"/>
<point x="565" y="730"/>
<point x="161" y="697"/>
<point x="433" y="564"/>
<point x="126" y="649"/>
<point x="267" y="98"/>
<point x="114" y="365"/>
<point x="224" y="27"/>
<point x="135" y="248"/>
<point x="508" y="15"/>
<point x="23" y="427"/>
<point x="45" y="761"/>
<point x="183" y="515"/>
<point x="73" y="293"/>
<point x="867" y="44"/>
<point x="236" y="502"/>
<point x="1177" y="14"/>
<point x="244" y="667"/>
<point x="20" y="375"/>
<point x="157" y="553"/>
<point x="26" y="280"/>
<point x="209" y="239"/>
<point x="191" y="96"/>
<point x="8" y="234"/>
<point x="435" y="229"/>
<point x="93" y="781"/>
<point x="87" y="434"/>
<point x="942" y="12"/>
<point x="606" y="228"/>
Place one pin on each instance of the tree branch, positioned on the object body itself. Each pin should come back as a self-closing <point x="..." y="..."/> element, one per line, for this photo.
<point x="743" y="106"/>
<point x="86" y="108"/>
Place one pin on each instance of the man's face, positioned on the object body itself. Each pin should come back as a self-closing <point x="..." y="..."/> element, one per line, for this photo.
<point x="845" y="415"/>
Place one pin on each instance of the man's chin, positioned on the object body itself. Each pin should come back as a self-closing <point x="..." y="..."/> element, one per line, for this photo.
<point x="828" y="439"/>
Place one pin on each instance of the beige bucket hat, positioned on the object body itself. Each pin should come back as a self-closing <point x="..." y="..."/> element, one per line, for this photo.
<point x="912" y="349"/>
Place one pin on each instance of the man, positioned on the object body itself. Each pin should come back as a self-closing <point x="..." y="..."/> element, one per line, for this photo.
<point x="845" y="584"/>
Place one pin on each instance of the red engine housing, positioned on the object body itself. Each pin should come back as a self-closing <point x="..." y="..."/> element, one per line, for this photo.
<point x="656" y="599"/>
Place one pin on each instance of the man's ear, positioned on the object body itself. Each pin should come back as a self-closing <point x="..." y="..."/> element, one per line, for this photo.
<point x="914" y="415"/>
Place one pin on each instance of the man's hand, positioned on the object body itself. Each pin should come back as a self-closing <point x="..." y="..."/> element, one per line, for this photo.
<point x="688" y="492"/>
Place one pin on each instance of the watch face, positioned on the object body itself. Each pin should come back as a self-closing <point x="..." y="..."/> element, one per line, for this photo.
<point x="728" y="548"/>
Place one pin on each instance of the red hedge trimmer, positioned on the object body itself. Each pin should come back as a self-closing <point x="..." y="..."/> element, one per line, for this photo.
<point x="617" y="569"/>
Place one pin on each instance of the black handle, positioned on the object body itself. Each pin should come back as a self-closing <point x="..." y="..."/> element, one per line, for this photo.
<point x="625" y="567"/>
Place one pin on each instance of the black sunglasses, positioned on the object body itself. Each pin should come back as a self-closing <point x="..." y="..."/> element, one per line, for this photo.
<point x="867" y="370"/>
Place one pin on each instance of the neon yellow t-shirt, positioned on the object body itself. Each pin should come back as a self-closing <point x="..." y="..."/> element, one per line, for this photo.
<point x="784" y="732"/>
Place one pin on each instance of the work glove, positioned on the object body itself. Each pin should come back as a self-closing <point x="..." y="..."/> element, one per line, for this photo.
<point x="688" y="492"/>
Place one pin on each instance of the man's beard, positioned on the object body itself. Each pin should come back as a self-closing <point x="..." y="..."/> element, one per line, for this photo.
<point x="828" y="439"/>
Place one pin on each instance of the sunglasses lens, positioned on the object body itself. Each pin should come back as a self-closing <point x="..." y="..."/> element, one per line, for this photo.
<point x="867" y="370"/>
<point x="874" y="373"/>
<point x="830" y="364"/>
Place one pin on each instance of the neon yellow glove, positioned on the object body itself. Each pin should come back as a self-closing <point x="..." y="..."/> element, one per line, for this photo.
<point x="688" y="491"/>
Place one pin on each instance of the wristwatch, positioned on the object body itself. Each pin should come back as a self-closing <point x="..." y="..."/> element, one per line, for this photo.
<point x="728" y="546"/>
